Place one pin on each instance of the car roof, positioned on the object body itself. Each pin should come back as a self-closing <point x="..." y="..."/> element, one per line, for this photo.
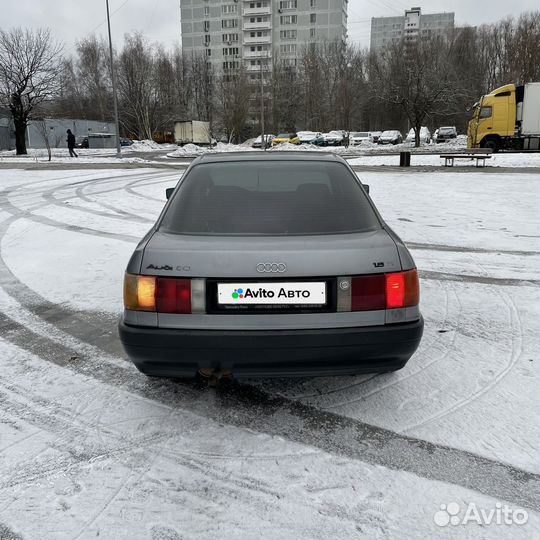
<point x="296" y="155"/>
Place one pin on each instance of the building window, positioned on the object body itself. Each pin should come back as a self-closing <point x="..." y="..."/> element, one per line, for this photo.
<point x="288" y="4"/>
<point x="230" y="38"/>
<point x="289" y="48"/>
<point x="229" y="23"/>
<point x="287" y="34"/>
<point x="207" y="40"/>
<point x="206" y="11"/>
<point x="207" y="26"/>
<point x="208" y="52"/>
<point x="229" y="8"/>
<point x="312" y="32"/>
<point x="288" y="19"/>
<point x="231" y="51"/>
<point x="313" y="3"/>
<point x="313" y="18"/>
<point x="230" y="65"/>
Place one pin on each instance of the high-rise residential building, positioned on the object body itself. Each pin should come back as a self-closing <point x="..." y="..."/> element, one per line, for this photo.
<point x="409" y="27"/>
<point x="253" y="32"/>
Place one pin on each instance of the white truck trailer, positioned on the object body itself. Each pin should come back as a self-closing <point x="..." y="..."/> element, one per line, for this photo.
<point x="192" y="131"/>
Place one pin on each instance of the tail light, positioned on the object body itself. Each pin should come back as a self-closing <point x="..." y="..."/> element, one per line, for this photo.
<point x="173" y="295"/>
<point x="156" y="293"/>
<point x="368" y="293"/>
<point x="402" y="289"/>
<point x="140" y="292"/>
<point x="385" y="291"/>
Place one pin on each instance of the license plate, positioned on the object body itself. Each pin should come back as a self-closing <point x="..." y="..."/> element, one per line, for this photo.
<point x="298" y="293"/>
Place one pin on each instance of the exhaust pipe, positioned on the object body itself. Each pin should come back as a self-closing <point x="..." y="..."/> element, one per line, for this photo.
<point x="214" y="375"/>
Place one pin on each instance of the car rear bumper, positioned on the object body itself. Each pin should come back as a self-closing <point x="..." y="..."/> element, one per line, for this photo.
<point x="335" y="351"/>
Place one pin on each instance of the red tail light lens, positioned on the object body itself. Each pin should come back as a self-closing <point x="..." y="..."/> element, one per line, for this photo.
<point x="402" y="289"/>
<point x="173" y="295"/>
<point x="395" y="290"/>
<point x="368" y="293"/>
<point x="385" y="291"/>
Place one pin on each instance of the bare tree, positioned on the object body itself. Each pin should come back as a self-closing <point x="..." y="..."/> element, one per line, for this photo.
<point x="234" y="98"/>
<point x="29" y="75"/>
<point x="45" y="133"/>
<point x="136" y="86"/>
<point x="418" y="78"/>
<point x="203" y="83"/>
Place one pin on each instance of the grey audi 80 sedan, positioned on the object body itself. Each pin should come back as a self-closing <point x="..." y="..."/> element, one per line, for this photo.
<point x="266" y="264"/>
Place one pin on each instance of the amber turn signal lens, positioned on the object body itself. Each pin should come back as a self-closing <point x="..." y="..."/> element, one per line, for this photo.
<point x="139" y="292"/>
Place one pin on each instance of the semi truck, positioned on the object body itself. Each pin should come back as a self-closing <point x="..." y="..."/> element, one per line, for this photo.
<point x="507" y="119"/>
<point x="192" y="131"/>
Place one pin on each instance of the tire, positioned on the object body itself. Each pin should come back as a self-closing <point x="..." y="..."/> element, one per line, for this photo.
<point x="492" y="143"/>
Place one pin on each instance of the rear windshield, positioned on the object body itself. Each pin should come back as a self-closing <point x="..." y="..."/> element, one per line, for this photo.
<point x="269" y="198"/>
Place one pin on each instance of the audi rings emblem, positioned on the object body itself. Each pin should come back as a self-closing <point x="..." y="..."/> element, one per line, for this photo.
<point x="271" y="267"/>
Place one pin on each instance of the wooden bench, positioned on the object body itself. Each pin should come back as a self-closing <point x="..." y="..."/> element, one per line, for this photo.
<point x="480" y="154"/>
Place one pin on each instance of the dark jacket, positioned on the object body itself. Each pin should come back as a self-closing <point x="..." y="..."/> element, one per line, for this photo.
<point x="71" y="140"/>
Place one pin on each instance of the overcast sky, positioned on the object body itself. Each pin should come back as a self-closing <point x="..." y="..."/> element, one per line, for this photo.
<point x="160" y="19"/>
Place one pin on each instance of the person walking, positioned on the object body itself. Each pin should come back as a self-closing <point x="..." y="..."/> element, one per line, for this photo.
<point x="71" y="144"/>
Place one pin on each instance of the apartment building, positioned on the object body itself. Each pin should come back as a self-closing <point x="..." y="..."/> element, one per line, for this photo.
<point x="409" y="27"/>
<point x="254" y="32"/>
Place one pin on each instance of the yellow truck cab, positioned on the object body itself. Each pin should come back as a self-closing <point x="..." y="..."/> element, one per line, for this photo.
<point x="507" y="118"/>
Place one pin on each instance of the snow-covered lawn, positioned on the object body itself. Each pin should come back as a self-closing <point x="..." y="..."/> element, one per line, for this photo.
<point x="366" y="154"/>
<point x="91" y="448"/>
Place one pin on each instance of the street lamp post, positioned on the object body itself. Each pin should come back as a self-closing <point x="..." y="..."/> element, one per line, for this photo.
<point x="115" y="104"/>
<point x="263" y="139"/>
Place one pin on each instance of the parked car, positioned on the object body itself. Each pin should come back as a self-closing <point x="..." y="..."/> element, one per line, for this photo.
<point x="81" y="142"/>
<point x="125" y="142"/>
<point x="359" y="137"/>
<point x="376" y="135"/>
<point x="334" y="138"/>
<point x="425" y="135"/>
<point x="291" y="138"/>
<point x="268" y="138"/>
<point x="445" y="133"/>
<point x="270" y="264"/>
<point x="390" y="136"/>
<point x="311" y="137"/>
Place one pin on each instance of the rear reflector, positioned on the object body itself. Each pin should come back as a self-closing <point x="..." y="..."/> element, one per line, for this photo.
<point x="368" y="293"/>
<point x="173" y="295"/>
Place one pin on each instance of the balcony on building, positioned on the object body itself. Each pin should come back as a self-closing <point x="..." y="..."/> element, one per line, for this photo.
<point x="249" y="25"/>
<point x="256" y="67"/>
<point x="263" y="10"/>
<point x="256" y="54"/>
<point x="256" y="39"/>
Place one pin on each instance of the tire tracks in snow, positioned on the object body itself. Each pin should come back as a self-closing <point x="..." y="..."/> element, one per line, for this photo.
<point x="247" y="407"/>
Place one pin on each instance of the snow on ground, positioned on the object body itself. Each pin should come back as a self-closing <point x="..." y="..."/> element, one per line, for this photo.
<point x="496" y="160"/>
<point x="91" y="447"/>
<point x="147" y="145"/>
<point x="100" y="461"/>
<point x="61" y="155"/>
<point x="88" y="155"/>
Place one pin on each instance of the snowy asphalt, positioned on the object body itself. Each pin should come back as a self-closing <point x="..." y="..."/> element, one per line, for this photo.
<point x="49" y="346"/>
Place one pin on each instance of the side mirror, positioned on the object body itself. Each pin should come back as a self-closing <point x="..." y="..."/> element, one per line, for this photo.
<point x="169" y="192"/>
<point x="366" y="187"/>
